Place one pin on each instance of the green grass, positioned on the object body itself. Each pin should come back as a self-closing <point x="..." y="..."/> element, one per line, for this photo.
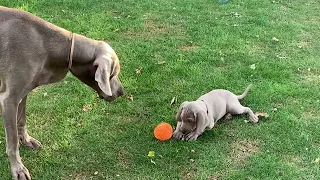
<point x="206" y="45"/>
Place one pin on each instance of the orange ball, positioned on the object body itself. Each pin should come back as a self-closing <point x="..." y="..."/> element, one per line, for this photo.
<point x="163" y="131"/>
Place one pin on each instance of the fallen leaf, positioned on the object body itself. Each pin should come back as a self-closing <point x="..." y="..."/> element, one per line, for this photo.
<point x="130" y="97"/>
<point x="275" y="39"/>
<point x="173" y="100"/>
<point x="152" y="161"/>
<point x="280" y="56"/>
<point x="96" y="173"/>
<point x="116" y="30"/>
<point x="86" y="108"/>
<point x="317" y="160"/>
<point x="45" y="94"/>
<point x="274" y="109"/>
<point x="118" y="175"/>
<point x="253" y="66"/>
<point x="193" y="151"/>
<point x="138" y="70"/>
<point x="246" y="121"/>
<point x="262" y="114"/>
<point x="151" y="154"/>
<point x="191" y="160"/>
<point x="161" y="62"/>
<point x="80" y="125"/>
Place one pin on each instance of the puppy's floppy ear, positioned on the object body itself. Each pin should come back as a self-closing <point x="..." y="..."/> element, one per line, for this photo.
<point x="102" y="75"/>
<point x="200" y="118"/>
<point x="180" y="111"/>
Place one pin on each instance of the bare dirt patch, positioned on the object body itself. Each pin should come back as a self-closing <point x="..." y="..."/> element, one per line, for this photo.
<point x="152" y="28"/>
<point x="189" y="174"/>
<point x="122" y="157"/>
<point x="189" y="47"/>
<point x="241" y="150"/>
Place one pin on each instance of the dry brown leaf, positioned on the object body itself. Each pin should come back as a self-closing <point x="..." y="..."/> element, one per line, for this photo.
<point x="80" y="125"/>
<point x="130" y="97"/>
<point x="138" y="70"/>
<point x="262" y="114"/>
<point x="173" y="100"/>
<point x="161" y="62"/>
<point x="86" y="108"/>
<point x="274" y="39"/>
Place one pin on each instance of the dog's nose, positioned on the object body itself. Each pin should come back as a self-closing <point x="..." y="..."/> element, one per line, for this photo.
<point x="184" y="131"/>
<point x="120" y="92"/>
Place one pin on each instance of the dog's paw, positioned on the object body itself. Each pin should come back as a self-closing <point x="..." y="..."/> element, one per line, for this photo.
<point x="178" y="135"/>
<point x="20" y="172"/>
<point x="31" y="143"/>
<point x="191" y="136"/>
<point x="227" y="117"/>
<point x="254" y="118"/>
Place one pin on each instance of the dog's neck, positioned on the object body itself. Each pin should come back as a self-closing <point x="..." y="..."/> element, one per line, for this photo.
<point x="207" y="110"/>
<point x="83" y="50"/>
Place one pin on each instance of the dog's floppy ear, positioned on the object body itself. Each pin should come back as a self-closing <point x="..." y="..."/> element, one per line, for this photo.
<point x="199" y="117"/>
<point x="102" y="75"/>
<point x="180" y="111"/>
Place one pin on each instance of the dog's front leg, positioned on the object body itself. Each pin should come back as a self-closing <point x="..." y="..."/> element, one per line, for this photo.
<point x="9" y="112"/>
<point x="24" y="137"/>
<point x="177" y="133"/>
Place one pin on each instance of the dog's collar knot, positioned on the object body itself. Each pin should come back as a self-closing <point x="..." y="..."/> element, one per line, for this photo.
<point x="71" y="51"/>
<point x="206" y="106"/>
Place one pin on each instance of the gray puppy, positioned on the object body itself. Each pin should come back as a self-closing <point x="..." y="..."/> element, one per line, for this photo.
<point x="195" y="117"/>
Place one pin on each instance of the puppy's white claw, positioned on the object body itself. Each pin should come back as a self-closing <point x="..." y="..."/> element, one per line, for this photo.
<point x="191" y="136"/>
<point x="178" y="135"/>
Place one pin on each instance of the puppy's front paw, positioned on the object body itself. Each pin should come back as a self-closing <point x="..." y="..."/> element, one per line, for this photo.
<point x="178" y="135"/>
<point x="191" y="136"/>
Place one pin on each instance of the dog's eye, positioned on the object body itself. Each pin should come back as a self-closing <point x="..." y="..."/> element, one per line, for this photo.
<point x="189" y="119"/>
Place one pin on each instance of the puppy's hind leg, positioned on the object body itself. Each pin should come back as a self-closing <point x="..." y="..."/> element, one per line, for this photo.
<point x="237" y="108"/>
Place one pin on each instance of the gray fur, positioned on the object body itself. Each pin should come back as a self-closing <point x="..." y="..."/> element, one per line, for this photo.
<point x="194" y="117"/>
<point x="34" y="52"/>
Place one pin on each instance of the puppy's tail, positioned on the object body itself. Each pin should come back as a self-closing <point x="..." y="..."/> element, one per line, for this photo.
<point x="245" y="92"/>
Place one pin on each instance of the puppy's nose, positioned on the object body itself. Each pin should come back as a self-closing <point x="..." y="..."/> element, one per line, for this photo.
<point x="184" y="131"/>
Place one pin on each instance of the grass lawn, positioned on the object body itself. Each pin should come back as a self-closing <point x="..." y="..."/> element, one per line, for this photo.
<point x="274" y="44"/>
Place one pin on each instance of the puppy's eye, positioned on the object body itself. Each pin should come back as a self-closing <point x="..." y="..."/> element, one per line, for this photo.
<point x="189" y="119"/>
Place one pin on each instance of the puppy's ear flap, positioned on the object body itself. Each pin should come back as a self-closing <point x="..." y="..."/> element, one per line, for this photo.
<point x="200" y="117"/>
<point x="102" y="75"/>
<point x="180" y="111"/>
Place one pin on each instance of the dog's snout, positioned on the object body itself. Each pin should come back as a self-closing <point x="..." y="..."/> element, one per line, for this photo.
<point x="184" y="131"/>
<point x="120" y="92"/>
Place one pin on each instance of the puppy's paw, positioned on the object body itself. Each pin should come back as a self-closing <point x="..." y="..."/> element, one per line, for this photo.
<point x="254" y="118"/>
<point x="227" y="117"/>
<point x="178" y="135"/>
<point x="191" y="136"/>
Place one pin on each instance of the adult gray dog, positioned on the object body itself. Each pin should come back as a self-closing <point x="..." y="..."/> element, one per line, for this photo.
<point x="193" y="118"/>
<point x="34" y="52"/>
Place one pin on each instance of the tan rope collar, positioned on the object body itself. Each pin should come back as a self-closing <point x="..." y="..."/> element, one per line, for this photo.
<point x="71" y="51"/>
